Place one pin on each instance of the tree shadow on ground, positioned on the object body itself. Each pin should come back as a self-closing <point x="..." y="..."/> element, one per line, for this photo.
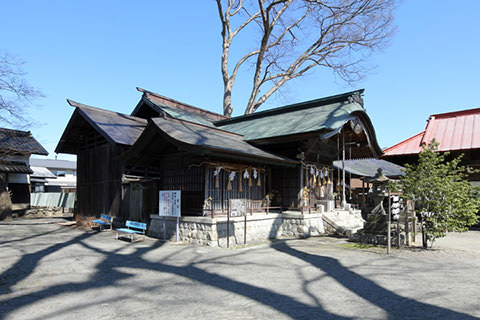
<point x="113" y="261"/>
<point x="107" y="273"/>
<point x="395" y="306"/>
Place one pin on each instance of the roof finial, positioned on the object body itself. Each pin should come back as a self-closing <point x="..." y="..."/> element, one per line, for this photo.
<point x="356" y="97"/>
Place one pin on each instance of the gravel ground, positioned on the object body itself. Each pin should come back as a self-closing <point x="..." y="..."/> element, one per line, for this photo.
<point x="56" y="271"/>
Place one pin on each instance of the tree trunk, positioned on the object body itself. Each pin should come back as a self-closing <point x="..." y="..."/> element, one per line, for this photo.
<point x="227" y="100"/>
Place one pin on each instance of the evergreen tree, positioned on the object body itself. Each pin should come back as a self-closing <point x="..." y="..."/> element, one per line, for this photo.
<point x="445" y="200"/>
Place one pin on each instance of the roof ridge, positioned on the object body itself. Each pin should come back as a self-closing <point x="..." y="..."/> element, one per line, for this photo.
<point x="403" y="141"/>
<point x="201" y="125"/>
<point x="22" y="132"/>
<point x="296" y="106"/>
<point x="81" y="105"/>
<point x="457" y="113"/>
<point x="181" y="105"/>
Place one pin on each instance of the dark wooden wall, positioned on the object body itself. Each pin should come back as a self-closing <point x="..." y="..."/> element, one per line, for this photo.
<point x="99" y="175"/>
<point x="285" y="186"/>
<point x="181" y="171"/>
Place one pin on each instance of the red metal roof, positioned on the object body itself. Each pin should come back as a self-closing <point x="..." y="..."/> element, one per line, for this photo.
<point x="459" y="130"/>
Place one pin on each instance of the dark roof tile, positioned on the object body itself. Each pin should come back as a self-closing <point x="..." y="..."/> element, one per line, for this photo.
<point x="20" y="142"/>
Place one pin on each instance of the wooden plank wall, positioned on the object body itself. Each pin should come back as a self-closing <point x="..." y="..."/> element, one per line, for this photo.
<point x="179" y="175"/>
<point x="285" y="185"/>
<point x="99" y="174"/>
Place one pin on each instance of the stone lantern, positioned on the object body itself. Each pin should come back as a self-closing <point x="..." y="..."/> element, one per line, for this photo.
<point x="376" y="219"/>
<point x="379" y="191"/>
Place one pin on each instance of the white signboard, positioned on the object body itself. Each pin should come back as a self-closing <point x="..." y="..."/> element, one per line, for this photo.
<point x="169" y="203"/>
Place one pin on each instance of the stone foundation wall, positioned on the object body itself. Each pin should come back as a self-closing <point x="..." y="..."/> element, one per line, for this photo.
<point x="213" y="232"/>
<point x="295" y="226"/>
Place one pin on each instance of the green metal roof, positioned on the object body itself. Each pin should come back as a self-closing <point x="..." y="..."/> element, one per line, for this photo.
<point x="184" y="115"/>
<point x="323" y="114"/>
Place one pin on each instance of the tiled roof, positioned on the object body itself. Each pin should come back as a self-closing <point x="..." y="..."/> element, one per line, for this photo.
<point x="14" y="167"/>
<point x="20" y="141"/>
<point x="214" y="141"/>
<point x="453" y="131"/>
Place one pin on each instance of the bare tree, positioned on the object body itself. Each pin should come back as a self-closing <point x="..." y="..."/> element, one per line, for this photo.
<point x="16" y="95"/>
<point x="299" y="35"/>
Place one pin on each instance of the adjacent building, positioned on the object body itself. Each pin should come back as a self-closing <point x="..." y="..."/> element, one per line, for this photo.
<point x="52" y="175"/>
<point x="16" y="147"/>
<point x="456" y="132"/>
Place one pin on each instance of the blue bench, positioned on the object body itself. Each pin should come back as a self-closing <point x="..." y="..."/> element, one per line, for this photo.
<point x="104" y="221"/>
<point x="133" y="228"/>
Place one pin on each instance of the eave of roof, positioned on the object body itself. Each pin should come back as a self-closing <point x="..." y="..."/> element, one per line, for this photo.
<point x="14" y="167"/>
<point x="115" y="127"/>
<point x="213" y="141"/>
<point x="409" y="146"/>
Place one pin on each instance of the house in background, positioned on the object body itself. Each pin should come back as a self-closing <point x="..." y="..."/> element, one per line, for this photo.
<point x="51" y="175"/>
<point x="281" y="157"/>
<point x="456" y="132"/>
<point x="16" y="147"/>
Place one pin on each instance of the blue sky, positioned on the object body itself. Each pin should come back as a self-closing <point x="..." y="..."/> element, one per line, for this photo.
<point x="98" y="52"/>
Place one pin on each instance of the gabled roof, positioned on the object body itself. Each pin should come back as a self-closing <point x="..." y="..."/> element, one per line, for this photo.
<point x="454" y="131"/>
<point x="369" y="167"/>
<point x="20" y="142"/>
<point x="322" y="114"/>
<point x="212" y="141"/>
<point x="174" y="109"/>
<point x="113" y="126"/>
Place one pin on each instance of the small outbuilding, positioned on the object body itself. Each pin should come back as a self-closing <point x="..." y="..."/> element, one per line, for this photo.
<point x="16" y="147"/>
